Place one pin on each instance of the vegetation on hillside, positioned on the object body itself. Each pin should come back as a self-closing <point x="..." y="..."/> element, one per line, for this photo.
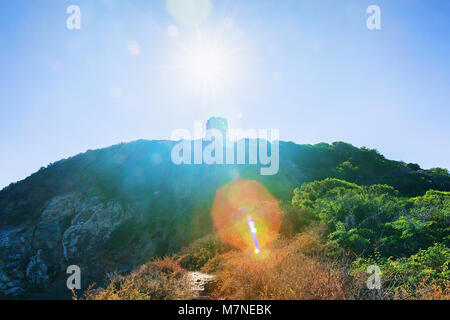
<point x="141" y="170"/>
<point x="161" y="279"/>
<point x="332" y="231"/>
<point x="369" y="209"/>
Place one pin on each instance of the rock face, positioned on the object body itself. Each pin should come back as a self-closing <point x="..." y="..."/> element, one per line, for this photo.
<point x="13" y="253"/>
<point x="37" y="271"/>
<point x="200" y="284"/>
<point x="71" y="230"/>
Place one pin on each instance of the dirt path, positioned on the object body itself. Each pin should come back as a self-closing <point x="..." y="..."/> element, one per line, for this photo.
<point x="198" y="282"/>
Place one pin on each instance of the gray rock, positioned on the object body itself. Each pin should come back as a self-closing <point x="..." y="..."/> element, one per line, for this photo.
<point x="56" y="217"/>
<point x="13" y="265"/>
<point x="13" y="246"/>
<point x="18" y="274"/>
<point x="6" y="236"/>
<point x="4" y="277"/>
<point x="13" y="284"/>
<point x="72" y="229"/>
<point x="37" y="271"/>
<point x="16" y="291"/>
<point x="91" y="229"/>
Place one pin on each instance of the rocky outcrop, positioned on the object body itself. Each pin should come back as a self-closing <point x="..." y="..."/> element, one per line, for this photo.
<point x="72" y="229"/>
<point x="13" y="253"/>
<point x="37" y="271"/>
<point x="91" y="228"/>
<point x="200" y="284"/>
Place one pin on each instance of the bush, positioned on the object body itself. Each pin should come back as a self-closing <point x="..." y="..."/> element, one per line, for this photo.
<point x="424" y="275"/>
<point x="368" y="218"/>
<point x="201" y="252"/>
<point x="214" y="265"/>
<point x="162" y="279"/>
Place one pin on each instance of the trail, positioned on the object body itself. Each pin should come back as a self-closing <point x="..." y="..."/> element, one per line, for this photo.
<point x="199" y="283"/>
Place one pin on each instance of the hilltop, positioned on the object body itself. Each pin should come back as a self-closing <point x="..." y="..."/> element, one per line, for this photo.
<point x="116" y="208"/>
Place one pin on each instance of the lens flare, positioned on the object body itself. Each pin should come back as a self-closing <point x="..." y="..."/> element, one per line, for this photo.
<point x="246" y="215"/>
<point x="251" y="226"/>
<point x="189" y="12"/>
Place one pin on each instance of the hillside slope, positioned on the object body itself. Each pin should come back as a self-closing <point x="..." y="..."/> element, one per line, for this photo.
<point x="115" y="208"/>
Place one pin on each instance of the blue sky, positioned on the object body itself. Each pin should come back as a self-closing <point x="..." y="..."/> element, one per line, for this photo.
<point x="309" y="68"/>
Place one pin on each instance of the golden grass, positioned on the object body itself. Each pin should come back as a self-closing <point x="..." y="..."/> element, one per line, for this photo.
<point x="303" y="267"/>
<point x="161" y="279"/>
<point x="288" y="270"/>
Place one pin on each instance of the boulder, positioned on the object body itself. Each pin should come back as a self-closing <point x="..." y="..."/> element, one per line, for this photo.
<point x="37" y="271"/>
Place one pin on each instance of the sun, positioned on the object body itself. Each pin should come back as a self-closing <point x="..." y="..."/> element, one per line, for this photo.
<point x="207" y="66"/>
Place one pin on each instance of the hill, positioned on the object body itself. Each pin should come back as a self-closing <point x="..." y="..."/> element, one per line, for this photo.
<point x="118" y="207"/>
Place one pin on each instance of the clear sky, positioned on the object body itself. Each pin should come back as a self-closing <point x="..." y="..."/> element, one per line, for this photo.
<point x="141" y="69"/>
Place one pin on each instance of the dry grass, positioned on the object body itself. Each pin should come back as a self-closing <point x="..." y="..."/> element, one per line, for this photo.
<point x="426" y="290"/>
<point x="289" y="269"/>
<point x="169" y="266"/>
<point x="436" y="290"/>
<point x="161" y="279"/>
<point x="396" y="287"/>
<point x="303" y="267"/>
